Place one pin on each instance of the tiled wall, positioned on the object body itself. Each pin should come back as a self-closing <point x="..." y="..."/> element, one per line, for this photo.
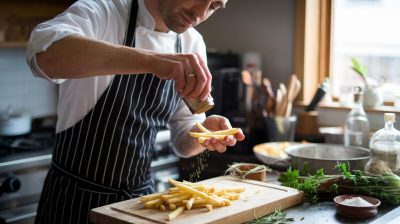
<point x="20" y="89"/>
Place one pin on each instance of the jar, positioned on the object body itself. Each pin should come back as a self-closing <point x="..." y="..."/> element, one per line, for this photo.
<point x="196" y="106"/>
<point x="385" y="149"/>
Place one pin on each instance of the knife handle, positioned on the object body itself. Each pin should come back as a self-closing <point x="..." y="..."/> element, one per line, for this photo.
<point x="319" y="94"/>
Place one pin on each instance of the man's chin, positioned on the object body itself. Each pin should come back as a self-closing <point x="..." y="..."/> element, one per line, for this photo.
<point x="180" y="29"/>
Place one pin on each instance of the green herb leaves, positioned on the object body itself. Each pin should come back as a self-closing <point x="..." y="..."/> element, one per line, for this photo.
<point x="359" y="69"/>
<point x="386" y="187"/>
<point x="278" y="217"/>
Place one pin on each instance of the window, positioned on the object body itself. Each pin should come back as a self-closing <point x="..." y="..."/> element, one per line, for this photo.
<point x="366" y="30"/>
<point x="329" y="32"/>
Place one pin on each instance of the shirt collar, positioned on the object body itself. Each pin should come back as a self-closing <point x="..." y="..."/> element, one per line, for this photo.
<point x="145" y="19"/>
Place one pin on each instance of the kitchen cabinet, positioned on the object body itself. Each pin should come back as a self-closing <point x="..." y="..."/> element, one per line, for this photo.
<point x="19" y="17"/>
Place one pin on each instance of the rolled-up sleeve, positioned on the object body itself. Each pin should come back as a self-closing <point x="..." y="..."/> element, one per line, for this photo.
<point x="180" y="123"/>
<point x="84" y="18"/>
<point x="183" y="120"/>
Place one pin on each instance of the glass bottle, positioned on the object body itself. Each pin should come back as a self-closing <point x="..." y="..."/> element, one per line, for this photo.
<point x="385" y="148"/>
<point x="356" y="129"/>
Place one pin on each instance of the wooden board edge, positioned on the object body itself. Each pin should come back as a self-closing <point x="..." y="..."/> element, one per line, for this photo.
<point x="262" y="210"/>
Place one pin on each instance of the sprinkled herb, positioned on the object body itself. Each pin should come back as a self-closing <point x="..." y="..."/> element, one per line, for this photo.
<point x="278" y="217"/>
<point x="199" y="165"/>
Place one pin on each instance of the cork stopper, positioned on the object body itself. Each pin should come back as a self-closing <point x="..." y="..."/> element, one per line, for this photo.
<point x="358" y="95"/>
<point x="389" y="117"/>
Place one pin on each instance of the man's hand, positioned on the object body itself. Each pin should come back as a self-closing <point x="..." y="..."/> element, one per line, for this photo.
<point x="190" y="72"/>
<point x="219" y="123"/>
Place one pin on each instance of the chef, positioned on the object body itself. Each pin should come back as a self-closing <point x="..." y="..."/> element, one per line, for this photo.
<point x="123" y="67"/>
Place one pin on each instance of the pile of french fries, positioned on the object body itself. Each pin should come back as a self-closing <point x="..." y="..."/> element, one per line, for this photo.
<point x="187" y="195"/>
<point x="207" y="134"/>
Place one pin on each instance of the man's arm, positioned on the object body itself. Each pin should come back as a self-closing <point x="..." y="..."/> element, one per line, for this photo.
<point x="79" y="57"/>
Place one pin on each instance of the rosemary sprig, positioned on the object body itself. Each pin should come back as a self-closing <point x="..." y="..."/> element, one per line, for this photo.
<point x="278" y="217"/>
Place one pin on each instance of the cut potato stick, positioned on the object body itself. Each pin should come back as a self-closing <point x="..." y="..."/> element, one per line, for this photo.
<point x="187" y="195"/>
<point x="190" y="203"/>
<point x="198" y="187"/>
<point x="178" y="199"/>
<point x="205" y="135"/>
<point x="236" y="190"/>
<point x="230" y="131"/>
<point x="162" y="207"/>
<point x="153" y="203"/>
<point x="174" y="195"/>
<point x="175" y="213"/>
<point x="195" y="192"/>
<point x="202" y="128"/>
<point x="150" y="197"/>
<point x="172" y="206"/>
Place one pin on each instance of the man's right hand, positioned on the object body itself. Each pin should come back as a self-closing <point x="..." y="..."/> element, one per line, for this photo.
<point x="190" y="72"/>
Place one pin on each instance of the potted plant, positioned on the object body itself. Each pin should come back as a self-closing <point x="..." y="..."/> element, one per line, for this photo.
<point x="372" y="94"/>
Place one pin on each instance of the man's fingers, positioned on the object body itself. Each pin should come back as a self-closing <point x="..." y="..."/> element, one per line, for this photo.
<point x="207" y="73"/>
<point x="179" y="78"/>
<point x="200" y="76"/>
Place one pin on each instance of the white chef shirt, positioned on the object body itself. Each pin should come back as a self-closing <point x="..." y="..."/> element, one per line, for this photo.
<point x="107" y="20"/>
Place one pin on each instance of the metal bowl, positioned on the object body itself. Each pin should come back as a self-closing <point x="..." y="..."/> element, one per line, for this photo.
<point x="326" y="156"/>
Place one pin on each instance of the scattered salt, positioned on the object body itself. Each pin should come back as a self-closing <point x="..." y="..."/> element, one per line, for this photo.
<point x="356" y="201"/>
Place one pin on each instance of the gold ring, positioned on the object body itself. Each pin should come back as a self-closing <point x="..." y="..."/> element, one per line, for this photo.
<point x="191" y="75"/>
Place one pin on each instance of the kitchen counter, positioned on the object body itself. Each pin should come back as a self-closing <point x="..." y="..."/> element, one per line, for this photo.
<point x="325" y="212"/>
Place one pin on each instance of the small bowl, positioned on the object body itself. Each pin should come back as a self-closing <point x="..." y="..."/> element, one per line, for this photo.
<point x="260" y="176"/>
<point x="356" y="211"/>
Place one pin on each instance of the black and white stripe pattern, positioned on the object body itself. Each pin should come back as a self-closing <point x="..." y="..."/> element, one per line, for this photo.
<point x="106" y="156"/>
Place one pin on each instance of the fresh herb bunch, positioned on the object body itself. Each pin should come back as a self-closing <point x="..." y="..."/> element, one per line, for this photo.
<point x="386" y="187"/>
<point x="278" y="217"/>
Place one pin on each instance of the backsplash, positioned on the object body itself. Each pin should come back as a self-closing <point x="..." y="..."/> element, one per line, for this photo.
<point x="21" y="90"/>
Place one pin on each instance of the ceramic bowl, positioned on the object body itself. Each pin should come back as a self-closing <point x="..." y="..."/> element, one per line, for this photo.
<point x="356" y="211"/>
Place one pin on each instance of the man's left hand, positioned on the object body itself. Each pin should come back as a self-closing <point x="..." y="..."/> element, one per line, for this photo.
<point x="219" y="123"/>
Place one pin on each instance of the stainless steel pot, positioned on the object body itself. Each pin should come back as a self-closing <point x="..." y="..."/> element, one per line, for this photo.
<point x="326" y="156"/>
<point x="12" y="124"/>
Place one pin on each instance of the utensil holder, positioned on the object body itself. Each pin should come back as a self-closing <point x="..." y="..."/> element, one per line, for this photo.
<point x="307" y="123"/>
<point x="280" y="128"/>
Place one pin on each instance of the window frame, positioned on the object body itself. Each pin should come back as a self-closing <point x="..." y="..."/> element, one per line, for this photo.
<point x="312" y="52"/>
<point x="312" y="44"/>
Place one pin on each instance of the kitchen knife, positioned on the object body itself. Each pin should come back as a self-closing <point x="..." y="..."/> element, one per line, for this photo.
<point x="319" y="94"/>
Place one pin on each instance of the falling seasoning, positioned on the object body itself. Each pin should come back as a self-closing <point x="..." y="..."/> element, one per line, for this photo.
<point x="198" y="166"/>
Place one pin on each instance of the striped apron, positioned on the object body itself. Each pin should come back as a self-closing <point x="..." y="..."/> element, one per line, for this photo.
<point x="106" y="156"/>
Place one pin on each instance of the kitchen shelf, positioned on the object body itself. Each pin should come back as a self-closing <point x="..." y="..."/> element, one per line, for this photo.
<point x="13" y="44"/>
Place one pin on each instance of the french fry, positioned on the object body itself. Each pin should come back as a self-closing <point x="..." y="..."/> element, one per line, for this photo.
<point x="162" y="207"/>
<point x="202" y="128"/>
<point x="153" y="203"/>
<point x="236" y="190"/>
<point x="206" y="135"/>
<point x="175" y="213"/>
<point x="195" y="192"/>
<point x="150" y="197"/>
<point x="172" y="206"/>
<point x="178" y="199"/>
<point x="187" y="195"/>
<point x="190" y="203"/>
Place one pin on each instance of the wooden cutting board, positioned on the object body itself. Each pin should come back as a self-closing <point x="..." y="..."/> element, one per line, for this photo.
<point x="259" y="199"/>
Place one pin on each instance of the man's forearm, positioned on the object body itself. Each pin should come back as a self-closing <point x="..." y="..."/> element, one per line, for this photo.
<point x="80" y="57"/>
<point x="187" y="146"/>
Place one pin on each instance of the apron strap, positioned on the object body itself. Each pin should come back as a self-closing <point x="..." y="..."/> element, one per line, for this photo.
<point x="100" y="188"/>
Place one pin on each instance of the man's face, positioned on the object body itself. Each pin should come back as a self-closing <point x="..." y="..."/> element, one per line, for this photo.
<point x="180" y="15"/>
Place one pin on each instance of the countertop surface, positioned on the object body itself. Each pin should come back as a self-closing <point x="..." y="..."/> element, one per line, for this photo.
<point x="325" y="212"/>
